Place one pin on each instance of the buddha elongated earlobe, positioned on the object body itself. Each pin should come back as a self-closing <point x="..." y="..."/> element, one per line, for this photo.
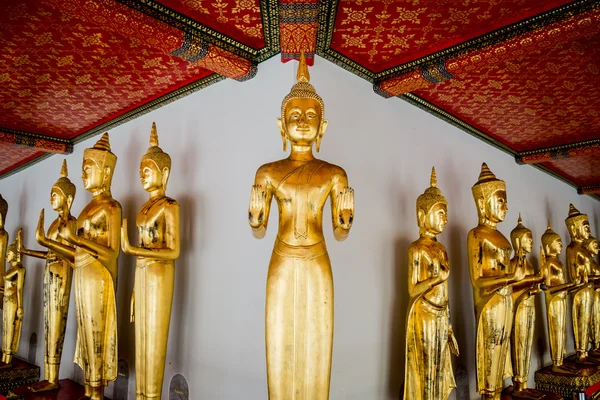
<point x="320" y="135"/>
<point x="282" y="132"/>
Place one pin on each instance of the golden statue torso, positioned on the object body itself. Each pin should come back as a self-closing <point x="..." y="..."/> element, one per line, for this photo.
<point x="489" y="261"/>
<point x="151" y="222"/>
<point x="433" y="258"/>
<point x="301" y="189"/>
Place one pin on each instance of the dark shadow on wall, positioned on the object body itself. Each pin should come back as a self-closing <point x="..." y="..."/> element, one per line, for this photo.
<point x="461" y="304"/>
<point x="396" y="361"/>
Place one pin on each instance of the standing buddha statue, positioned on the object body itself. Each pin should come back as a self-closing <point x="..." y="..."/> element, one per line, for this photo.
<point x="3" y="239"/>
<point x="524" y="293"/>
<point x="299" y="304"/>
<point x="489" y="255"/>
<point x="578" y="264"/>
<point x="58" y="273"/>
<point x="592" y="246"/>
<point x="158" y="229"/>
<point x="430" y="338"/>
<point x="97" y="241"/>
<point x="12" y="314"/>
<point x="556" y="296"/>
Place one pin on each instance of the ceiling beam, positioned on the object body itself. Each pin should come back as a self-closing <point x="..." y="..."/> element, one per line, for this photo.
<point x="39" y="142"/>
<point x="546" y="154"/>
<point x="595" y="189"/>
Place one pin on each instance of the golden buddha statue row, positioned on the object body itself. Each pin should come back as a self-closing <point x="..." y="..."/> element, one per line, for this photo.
<point x="299" y="293"/>
<point x="85" y="251"/>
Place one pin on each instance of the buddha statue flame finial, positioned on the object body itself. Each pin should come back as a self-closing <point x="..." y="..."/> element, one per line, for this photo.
<point x="302" y="89"/>
<point x="155" y="153"/>
<point x="487" y="184"/>
<point x="63" y="183"/>
<point x="431" y="196"/>
<point x="549" y="237"/>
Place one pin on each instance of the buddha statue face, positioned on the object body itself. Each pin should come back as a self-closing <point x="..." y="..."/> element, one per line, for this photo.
<point x="584" y="231"/>
<point x="526" y="242"/>
<point x="57" y="199"/>
<point x="151" y="177"/>
<point x="11" y="257"/>
<point x="555" y="248"/>
<point x="93" y="176"/>
<point x="435" y="220"/>
<point x="302" y="122"/>
<point x="496" y="207"/>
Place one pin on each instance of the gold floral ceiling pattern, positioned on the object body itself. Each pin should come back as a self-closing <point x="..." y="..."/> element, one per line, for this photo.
<point x="72" y="69"/>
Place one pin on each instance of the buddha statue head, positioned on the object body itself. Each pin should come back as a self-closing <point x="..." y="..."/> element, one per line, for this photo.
<point x="155" y="165"/>
<point x="551" y="242"/>
<point x="578" y="225"/>
<point x="13" y="251"/>
<point x="3" y="211"/>
<point x="302" y="112"/>
<point x="592" y="245"/>
<point x="521" y="238"/>
<point x="98" y="166"/>
<point x="490" y="197"/>
<point x="432" y="208"/>
<point x="63" y="191"/>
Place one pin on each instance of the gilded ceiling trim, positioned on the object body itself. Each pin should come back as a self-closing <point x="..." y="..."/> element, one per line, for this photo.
<point x="590" y="190"/>
<point x="460" y="124"/>
<point x="570" y="150"/>
<point x="327" y="25"/>
<point x="36" y="141"/>
<point x="269" y="13"/>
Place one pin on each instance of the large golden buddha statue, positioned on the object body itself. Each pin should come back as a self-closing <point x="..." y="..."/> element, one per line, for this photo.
<point x="578" y="264"/>
<point x="489" y="255"/>
<point x="58" y="273"/>
<point x="524" y="293"/>
<point x="97" y="240"/>
<point x="12" y="314"/>
<point x="429" y="338"/>
<point x="556" y="296"/>
<point x="299" y="305"/>
<point x="3" y="238"/>
<point x="158" y="230"/>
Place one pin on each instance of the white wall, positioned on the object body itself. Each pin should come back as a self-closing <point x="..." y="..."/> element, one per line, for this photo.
<point x="217" y="139"/>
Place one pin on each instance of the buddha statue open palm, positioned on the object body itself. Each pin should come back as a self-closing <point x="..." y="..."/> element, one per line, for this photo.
<point x="299" y="304"/>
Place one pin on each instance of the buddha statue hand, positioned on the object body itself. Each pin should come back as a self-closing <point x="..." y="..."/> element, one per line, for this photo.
<point x="19" y="313"/>
<point x="258" y="203"/>
<point x="40" y="235"/>
<point x="452" y="342"/>
<point x="125" y="244"/>
<point x="345" y="208"/>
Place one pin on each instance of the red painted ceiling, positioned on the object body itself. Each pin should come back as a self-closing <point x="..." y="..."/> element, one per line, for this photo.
<point x="68" y="71"/>
<point x="548" y="98"/>
<point x="239" y="19"/>
<point x="62" y="77"/>
<point x="381" y="34"/>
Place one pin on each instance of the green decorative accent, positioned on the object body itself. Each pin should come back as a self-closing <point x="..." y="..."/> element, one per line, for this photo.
<point x="269" y="10"/>
<point x="327" y="26"/>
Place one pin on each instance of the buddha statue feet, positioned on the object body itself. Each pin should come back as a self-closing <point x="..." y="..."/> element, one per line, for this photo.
<point x="44" y="386"/>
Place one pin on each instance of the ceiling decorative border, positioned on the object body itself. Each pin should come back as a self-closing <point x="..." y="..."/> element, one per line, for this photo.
<point x="128" y="116"/>
<point x="460" y="124"/>
<point x="269" y="12"/>
<point x="328" y="12"/>
<point x="36" y="141"/>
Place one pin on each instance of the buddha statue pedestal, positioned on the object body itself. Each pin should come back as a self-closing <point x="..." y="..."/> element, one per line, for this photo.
<point x="68" y="390"/>
<point x="576" y="378"/>
<point x="530" y="394"/>
<point x="19" y="374"/>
